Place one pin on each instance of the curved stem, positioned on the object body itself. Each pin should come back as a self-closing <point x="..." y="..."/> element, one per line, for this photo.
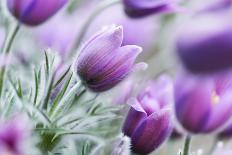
<point x="88" y="22"/>
<point x="187" y="145"/>
<point x="5" y="50"/>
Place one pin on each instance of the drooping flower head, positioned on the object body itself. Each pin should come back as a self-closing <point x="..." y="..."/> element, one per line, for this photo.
<point x="141" y="8"/>
<point x="203" y="104"/>
<point x="149" y="122"/>
<point x="34" y="12"/>
<point x="103" y="62"/>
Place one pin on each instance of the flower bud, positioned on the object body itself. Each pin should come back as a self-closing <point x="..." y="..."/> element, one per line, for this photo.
<point x="204" y="43"/>
<point x="148" y="122"/>
<point x="34" y="12"/>
<point x="141" y="8"/>
<point x="203" y="104"/>
<point x="103" y="63"/>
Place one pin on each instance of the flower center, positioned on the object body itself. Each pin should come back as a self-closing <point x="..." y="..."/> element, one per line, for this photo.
<point x="215" y="98"/>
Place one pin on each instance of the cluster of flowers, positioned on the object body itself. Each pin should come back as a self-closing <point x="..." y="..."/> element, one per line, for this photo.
<point x="199" y="99"/>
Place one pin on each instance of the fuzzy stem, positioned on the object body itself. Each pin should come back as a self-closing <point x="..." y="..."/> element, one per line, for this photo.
<point x="100" y="8"/>
<point x="5" y="50"/>
<point x="187" y="144"/>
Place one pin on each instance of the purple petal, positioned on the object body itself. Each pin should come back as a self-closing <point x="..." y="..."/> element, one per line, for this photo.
<point x="113" y="69"/>
<point x="221" y="113"/>
<point x="152" y="132"/>
<point x="193" y="102"/>
<point x="135" y="116"/>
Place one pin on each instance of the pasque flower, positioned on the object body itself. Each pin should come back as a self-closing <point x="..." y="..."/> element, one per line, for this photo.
<point x="34" y="12"/>
<point x="102" y="62"/>
<point x="148" y="122"/>
<point x="203" y="104"/>
<point x="141" y="8"/>
<point x="204" y="43"/>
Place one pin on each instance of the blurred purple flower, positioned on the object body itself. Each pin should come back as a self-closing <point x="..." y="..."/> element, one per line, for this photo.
<point x="62" y="36"/>
<point x="204" y="43"/>
<point x="218" y="5"/>
<point x="145" y="28"/>
<point x="148" y="122"/>
<point x="203" y="104"/>
<point x="34" y="12"/>
<point x="103" y="62"/>
<point x="13" y="135"/>
<point x="141" y="8"/>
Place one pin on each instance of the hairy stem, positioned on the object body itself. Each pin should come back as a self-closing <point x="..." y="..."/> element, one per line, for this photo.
<point x="5" y="50"/>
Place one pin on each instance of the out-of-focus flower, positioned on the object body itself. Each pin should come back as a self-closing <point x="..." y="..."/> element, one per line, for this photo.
<point x="143" y="8"/>
<point x="13" y="135"/>
<point x="103" y="62"/>
<point x="131" y="27"/>
<point x="204" y="43"/>
<point x="60" y="37"/>
<point x="218" y="5"/>
<point x="34" y="12"/>
<point x="148" y="122"/>
<point x="203" y="104"/>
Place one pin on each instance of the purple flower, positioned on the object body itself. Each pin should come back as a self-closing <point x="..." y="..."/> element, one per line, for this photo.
<point x="148" y="122"/>
<point x="13" y="135"/>
<point x="34" y="12"/>
<point x="203" y="104"/>
<point x="103" y="62"/>
<point x="141" y="8"/>
<point x="204" y="43"/>
<point x="218" y="5"/>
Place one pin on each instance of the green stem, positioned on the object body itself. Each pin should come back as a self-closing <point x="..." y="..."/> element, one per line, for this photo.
<point x="187" y="145"/>
<point x="106" y="4"/>
<point x="6" y="49"/>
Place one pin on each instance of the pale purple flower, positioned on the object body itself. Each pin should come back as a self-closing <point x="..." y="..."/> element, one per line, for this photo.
<point x="204" y="43"/>
<point x="13" y="135"/>
<point x="34" y="12"/>
<point x="141" y="8"/>
<point x="103" y="62"/>
<point x="149" y="121"/>
<point x="203" y="104"/>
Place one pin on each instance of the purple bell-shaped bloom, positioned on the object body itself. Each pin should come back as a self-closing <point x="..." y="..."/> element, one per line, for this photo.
<point x="141" y="8"/>
<point x="203" y="104"/>
<point x="149" y="121"/>
<point x="103" y="62"/>
<point x="204" y="44"/>
<point x="34" y="12"/>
